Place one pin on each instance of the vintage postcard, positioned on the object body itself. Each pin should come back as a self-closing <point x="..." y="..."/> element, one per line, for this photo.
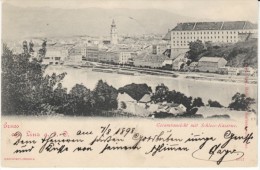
<point x="132" y="83"/>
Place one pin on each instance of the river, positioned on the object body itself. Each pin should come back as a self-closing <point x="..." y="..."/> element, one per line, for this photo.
<point x="220" y="91"/>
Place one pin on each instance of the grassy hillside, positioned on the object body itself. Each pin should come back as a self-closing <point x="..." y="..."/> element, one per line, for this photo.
<point x="237" y="55"/>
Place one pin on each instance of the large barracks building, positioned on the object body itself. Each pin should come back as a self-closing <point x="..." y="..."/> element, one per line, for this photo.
<point x="216" y="32"/>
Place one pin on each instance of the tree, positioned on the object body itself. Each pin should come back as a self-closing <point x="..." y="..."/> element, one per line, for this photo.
<point x="79" y="101"/>
<point x="60" y="98"/>
<point x="105" y="96"/>
<point x="20" y="82"/>
<point x="24" y="88"/>
<point x="25" y="47"/>
<point x="136" y="91"/>
<point x="189" y="62"/>
<point x="241" y="102"/>
<point x="179" y="98"/>
<point x="161" y="92"/>
<point x="197" y="102"/>
<point x="196" y="48"/>
<point x="42" y="51"/>
<point x="208" y="45"/>
<point x="31" y="47"/>
<point x="214" y="103"/>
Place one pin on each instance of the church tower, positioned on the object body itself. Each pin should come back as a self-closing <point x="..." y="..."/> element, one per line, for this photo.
<point x="113" y="33"/>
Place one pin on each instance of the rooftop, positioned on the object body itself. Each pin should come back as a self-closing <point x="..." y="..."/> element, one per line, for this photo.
<point x="211" y="59"/>
<point x="194" y="64"/>
<point x="151" y="57"/>
<point x="229" y="25"/>
<point x="167" y="36"/>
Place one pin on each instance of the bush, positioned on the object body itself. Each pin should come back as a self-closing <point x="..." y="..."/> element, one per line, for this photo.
<point x="214" y="104"/>
<point x="105" y="96"/>
<point x="197" y="102"/>
<point x="162" y="94"/>
<point x="219" y="116"/>
<point x="241" y="102"/>
<point x="136" y="91"/>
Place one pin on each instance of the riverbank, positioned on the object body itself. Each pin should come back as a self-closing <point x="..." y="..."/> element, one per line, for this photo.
<point x="135" y="71"/>
<point x="223" y="79"/>
<point x="197" y="76"/>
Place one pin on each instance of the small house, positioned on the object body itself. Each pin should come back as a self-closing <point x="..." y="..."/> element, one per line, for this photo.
<point x="130" y="105"/>
<point x="211" y="64"/>
<point x="233" y="71"/>
<point x="177" y="109"/>
<point x="223" y="70"/>
<point x="246" y="71"/>
<point x="145" y="99"/>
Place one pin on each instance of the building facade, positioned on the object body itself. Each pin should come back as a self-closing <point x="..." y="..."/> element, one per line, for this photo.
<point x="246" y="71"/>
<point x="159" y="48"/>
<point x="216" y="32"/>
<point x="55" y="56"/>
<point x="108" y="57"/>
<point x="149" y="60"/>
<point x="91" y="53"/>
<point x="233" y="71"/>
<point x="211" y="64"/>
<point x="123" y="57"/>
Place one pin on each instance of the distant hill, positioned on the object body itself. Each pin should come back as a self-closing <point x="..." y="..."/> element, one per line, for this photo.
<point x="238" y="55"/>
<point x="18" y="22"/>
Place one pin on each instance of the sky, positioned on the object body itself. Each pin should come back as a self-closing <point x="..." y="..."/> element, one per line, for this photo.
<point x="213" y="9"/>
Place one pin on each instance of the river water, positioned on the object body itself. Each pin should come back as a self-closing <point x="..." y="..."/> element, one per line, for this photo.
<point x="214" y="90"/>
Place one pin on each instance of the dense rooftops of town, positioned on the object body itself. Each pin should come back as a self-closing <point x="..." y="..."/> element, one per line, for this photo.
<point x="119" y="48"/>
<point x="151" y="57"/>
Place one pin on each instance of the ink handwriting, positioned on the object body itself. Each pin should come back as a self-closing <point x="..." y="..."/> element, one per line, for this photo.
<point x="109" y="140"/>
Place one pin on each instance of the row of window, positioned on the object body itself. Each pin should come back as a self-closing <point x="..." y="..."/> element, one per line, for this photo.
<point x="149" y="60"/>
<point x="92" y="53"/>
<point x="227" y="37"/>
<point x="209" y="32"/>
<point x="56" y="58"/>
<point x="215" y="37"/>
<point x="186" y="44"/>
<point x="124" y="58"/>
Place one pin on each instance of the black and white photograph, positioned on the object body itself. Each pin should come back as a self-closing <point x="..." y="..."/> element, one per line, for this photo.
<point x="129" y="68"/>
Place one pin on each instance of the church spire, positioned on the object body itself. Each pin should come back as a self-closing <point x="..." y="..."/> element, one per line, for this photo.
<point x="113" y="23"/>
<point x="113" y="33"/>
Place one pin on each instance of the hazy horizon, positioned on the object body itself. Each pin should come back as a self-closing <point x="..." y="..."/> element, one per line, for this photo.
<point x="216" y="9"/>
<point x="46" y="18"/>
